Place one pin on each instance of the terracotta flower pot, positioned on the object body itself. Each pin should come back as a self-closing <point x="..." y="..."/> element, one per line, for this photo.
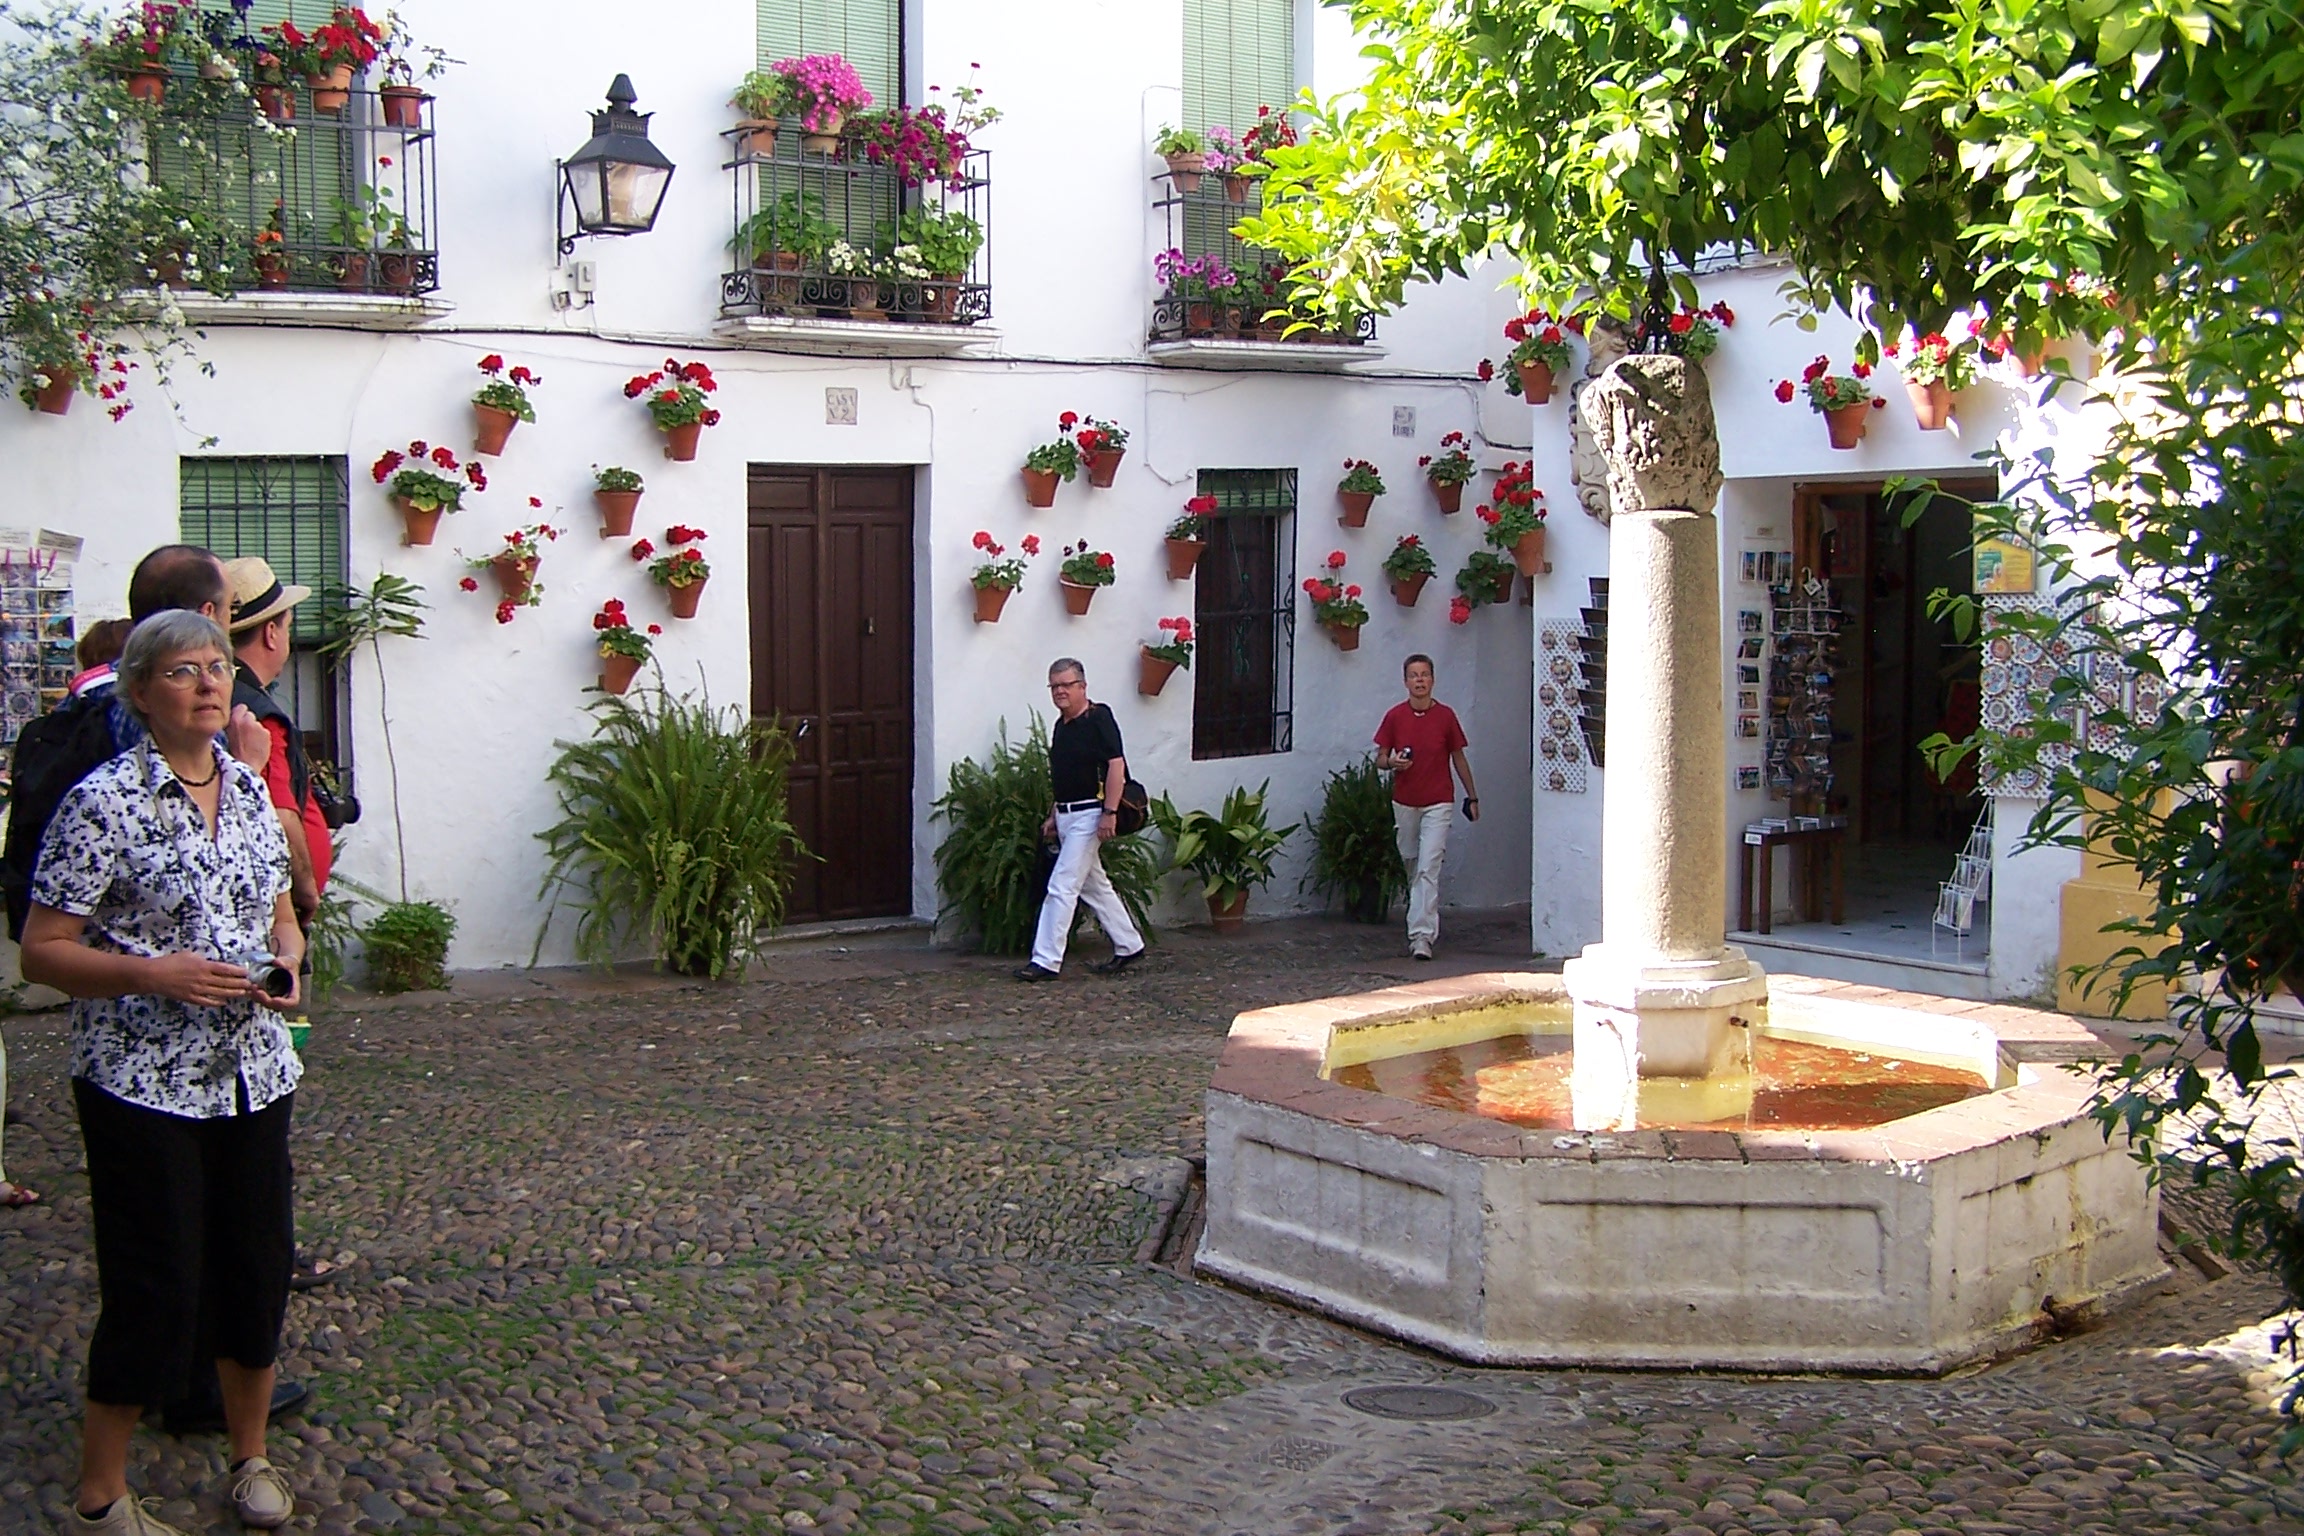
<point x="421" y="525"/>
<point x="148" y="85"/>
<point x="616" y="509"/>
<point x="1528" y="552"/>
<point x="55" y="397"/>
<point x="276" y="102"/>
<point x="404" y="108"/>
<point x="1346" y="636"/>
<point x="1076" y="597"/>
<point x="1040" y="487"/>
<point x="331" y="89"/>
<point x="396" y="272"/>
<point x="273" y="269"/>
<point x="1183" y="554"/>
<point x="617" y="672"/>
<point x="1450" y="495"/>
<point x="1185" y="171"/>
<point x="989" y="602"/>
<point x="1846" y="423"/>
<point x="1931" y="404"/>
<point x="1407" y="589"/>
<point x="1356" y="505"/>
<point x="1503" y="585"/>
<point x="514" y="574"/>
<point x="1103" y="464"/>
<point x="495" y="424"/>
<point x="759" y="138"/>
<point x="827" y="140"/>
<point x="1152" y="672"/>
<point x="684" y="599"/>
<point x="942" y="299"/>
<point x="1230" y="916"/>
<point x="680" y="441"/>
<point x="1536" y="382"/>
<point x="1236" y="189"/>
<point x="351" y="269"/>
<point x="1200" y="317"/>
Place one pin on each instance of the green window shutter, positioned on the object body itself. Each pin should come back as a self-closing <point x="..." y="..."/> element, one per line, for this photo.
<point x="1238" y="55"/>
<point x="292" y="512"/>
<point x="867" y="33"/>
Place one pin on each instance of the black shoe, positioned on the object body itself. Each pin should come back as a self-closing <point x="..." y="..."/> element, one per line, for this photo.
<point x="1035" y="973"/>
<point x="1117" y="963"/>
<point x="12" y="1118"/>
<point x="310" y="1274"/>
<point x="190" y="1418"/>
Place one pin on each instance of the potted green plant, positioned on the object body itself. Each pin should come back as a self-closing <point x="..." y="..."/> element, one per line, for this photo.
<point x="1083" y="571"/>
<point x="1355" y="850"/>
<point x="762" y="98"/>
<point x="1050" y="462"/>
<point x="1157" y="660"/>
<point x="1230" y="851"/>
<point x="1188" y="536"/>
<point x="342" y="46"/>
<point x="1101" y="445"/>
<point x="947" y="241"/>
<point x="502" y="403"/>
<point x="1540" y="354"/>
<point x="352" y="234"/>
<point x="995" y="577"/>
<point x="1516" y="520"/>
<point x="1358" y="491"/>
<point x="514" y="567"/>
<point x="822" y="89"/>
<point x="681" y="570"/>
<point x="1935" y="371"/>
<point x="1187" y="156"/>
<point x="402" y="62"/>
<point x="140" y="48"/>
<point x="785" y="238"/>
<point x="1408" y="567"/>
<point x="1448" y="471"/>
<point x="624" y="649"/>
<point x="616" y="492"/>
<point x="1842" y="399"/>
<point x="423" y="484"/>
<point x="1486" y="578"/>
<point x="1336" y="605"/>
<point x="678" y="398"/>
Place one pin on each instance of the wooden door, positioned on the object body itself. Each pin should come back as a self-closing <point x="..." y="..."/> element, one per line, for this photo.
<point x="830" y="572"/>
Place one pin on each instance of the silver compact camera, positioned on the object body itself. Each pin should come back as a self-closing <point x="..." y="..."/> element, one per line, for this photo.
<point x="271" y="977"/>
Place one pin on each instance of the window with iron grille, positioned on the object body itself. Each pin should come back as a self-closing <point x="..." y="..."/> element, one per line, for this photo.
<point x="292" y="512"/>
<point x="1244" y="609"/>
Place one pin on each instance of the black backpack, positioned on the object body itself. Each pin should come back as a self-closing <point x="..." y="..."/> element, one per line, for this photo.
<point x="54" y="753"/>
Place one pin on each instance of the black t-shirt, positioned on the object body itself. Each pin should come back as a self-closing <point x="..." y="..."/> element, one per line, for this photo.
<point x="1078" y="751"/>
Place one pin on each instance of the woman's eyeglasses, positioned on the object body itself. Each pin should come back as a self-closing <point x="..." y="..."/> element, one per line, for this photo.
<point x="188" y="674"/>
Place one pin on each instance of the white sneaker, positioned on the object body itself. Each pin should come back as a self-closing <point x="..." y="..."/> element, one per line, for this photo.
<point x="1420" y="950"/>
<point x="261" y="1494"/>
<point x="126" y="1517"/>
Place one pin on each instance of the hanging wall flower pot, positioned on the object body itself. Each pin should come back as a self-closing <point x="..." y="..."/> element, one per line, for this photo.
<point x="1449" y="493"/>
<point x="1183" y="555"/>
<point x="1040" y="487"/>
<point x="1103" y="464"/>
<point x="514" y="574"/>
<point x="1152" y="672"/>
<point x="1503" y="587"/>
<point x="680" y="441"/>
<point x="1346" y="636"/>
<point x="1536" y="382"/>
<point x="421" y="522"/>
<point x="1356" y="505"/>
<point x="147" y="85"/>
<point x="331" y="89"/>
<point x="55" y="396"/>
<point x="1931" y="404"/>
<point x="1846" y="423"/>
<point x="616" y="510"/>
<point x="1076" y="597"/>
<point x="495" y="425"/>
<point x="1407" y="589"/>
<point x="685" y="599"/>
<point x="989" y="602"/>
<point x="1229" y="916"/>
<point x="1528" y="552"/>
<point x="404" y="108"/>
<point x="617" y="672"/>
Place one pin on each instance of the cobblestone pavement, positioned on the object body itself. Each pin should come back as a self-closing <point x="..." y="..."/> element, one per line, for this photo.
<point x="851" y="1247"/>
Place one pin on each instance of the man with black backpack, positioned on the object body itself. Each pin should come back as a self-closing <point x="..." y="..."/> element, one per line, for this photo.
<point x="1088" y="775"/>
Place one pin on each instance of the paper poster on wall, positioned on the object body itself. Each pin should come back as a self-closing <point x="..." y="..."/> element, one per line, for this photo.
<point x="1747" y="775"/>
<point x="37" y="627"/>
<point x="2003" y="568"/>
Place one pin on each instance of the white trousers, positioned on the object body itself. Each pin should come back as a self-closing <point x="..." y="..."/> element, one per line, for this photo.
<point x="1423" y="837"/>
<point x="1079" y="877"/>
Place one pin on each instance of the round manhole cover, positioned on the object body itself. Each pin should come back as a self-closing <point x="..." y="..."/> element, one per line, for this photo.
<point x="1418" y="1403"/>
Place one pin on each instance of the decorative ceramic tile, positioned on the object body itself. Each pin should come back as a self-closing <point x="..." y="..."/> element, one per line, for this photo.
<point x="1560" y="757"/>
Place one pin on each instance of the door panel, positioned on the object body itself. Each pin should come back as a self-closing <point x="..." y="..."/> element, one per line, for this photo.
<point x="831" y="583"/>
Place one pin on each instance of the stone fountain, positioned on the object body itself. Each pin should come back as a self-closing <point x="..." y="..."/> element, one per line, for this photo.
<point x="1719" y="1170"/>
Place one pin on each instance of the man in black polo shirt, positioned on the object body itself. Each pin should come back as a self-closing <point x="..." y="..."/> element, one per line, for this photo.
<point x="1086" y="770"/>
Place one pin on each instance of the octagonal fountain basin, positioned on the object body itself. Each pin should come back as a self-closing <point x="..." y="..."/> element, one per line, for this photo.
<point x="1903" y="1184"/>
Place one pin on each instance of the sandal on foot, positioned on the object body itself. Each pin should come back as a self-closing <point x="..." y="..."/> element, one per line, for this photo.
<point x="14" y="1197"/>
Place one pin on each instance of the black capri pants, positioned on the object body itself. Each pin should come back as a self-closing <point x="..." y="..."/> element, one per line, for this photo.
<point x="194" y="1227"/>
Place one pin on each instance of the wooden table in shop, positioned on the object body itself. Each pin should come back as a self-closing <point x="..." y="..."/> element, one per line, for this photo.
<point x="1817" y="864"/>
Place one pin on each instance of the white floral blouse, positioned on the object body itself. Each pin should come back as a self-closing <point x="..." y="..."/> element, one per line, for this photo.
<point x="130" y="852"/>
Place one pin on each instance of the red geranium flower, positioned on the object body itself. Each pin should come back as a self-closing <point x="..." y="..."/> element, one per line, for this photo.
<point x="1459" y="610"/>
<point x="491" y="363"/>
<point x="1487" y="372"/>
<point x="1104" y="561"/>
<point x="1784" y="390"/>
<point x="1031" y="543"/>
<point x="643" y="550"/>
<point x="469" y="585"/>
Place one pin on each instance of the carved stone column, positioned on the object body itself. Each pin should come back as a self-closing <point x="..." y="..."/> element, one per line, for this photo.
<point x="1662" y="995"/>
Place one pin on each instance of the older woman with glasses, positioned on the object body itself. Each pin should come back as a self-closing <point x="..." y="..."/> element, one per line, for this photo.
<point x="162" y="907"/>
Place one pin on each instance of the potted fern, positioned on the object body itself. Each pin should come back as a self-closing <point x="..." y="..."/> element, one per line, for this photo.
<point x="1230" y="850"/>
<point x="1355" y="853"/>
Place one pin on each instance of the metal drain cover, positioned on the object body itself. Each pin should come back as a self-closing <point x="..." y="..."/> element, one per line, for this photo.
<point x="1420" y="1403"/>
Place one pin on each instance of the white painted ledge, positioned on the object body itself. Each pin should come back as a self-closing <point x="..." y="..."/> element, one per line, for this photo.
<point x="853" y="338"/>
<point x="1261" y="356"/>
<point x="341" y="311"/>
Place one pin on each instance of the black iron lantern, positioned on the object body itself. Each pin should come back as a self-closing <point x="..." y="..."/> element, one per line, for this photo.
<point x="616" y="183"/>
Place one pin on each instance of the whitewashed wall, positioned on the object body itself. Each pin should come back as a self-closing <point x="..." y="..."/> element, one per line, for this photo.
<point x="476" y="707"/>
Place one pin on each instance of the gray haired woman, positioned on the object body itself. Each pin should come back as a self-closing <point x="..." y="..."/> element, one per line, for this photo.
<point x="161" y="907"/>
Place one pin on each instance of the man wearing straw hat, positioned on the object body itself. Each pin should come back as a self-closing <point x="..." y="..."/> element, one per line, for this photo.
<point x="261" y="610"/>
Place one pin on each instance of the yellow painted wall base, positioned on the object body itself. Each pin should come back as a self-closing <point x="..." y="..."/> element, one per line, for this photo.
<point x="2089" y="902"/>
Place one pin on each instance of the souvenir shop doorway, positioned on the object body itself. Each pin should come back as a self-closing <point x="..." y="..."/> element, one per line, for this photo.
<point x="1853" y="644"/>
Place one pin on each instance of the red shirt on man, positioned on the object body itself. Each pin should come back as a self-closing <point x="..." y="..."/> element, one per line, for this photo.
<point x="1430" y="737"/>
<point x="278" y="783"/>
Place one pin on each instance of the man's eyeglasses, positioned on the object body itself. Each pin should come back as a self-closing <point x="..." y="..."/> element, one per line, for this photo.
<point x="1060" y="687"/>
<point x="188" y="674"/>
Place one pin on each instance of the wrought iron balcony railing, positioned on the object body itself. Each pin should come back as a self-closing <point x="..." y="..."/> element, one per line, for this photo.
<point x="286" y="193"/>
<point x="820" y="229"/>
<point x="1213" y="285"/>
